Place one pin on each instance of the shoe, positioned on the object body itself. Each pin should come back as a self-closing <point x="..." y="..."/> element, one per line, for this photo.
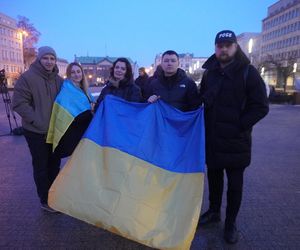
<point x="209" y="217"/>
<point x="231" y="234"/>
<point x="45" y="207"/>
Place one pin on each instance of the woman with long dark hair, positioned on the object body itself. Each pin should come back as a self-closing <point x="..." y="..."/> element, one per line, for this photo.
<point x="121" y="83"/>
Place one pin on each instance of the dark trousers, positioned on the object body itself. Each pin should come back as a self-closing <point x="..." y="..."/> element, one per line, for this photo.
<point x="234" y="191"/>
<point x="45" y="163"/>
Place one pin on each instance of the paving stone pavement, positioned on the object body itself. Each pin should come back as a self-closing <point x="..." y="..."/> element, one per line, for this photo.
<point x="269" y="216"/>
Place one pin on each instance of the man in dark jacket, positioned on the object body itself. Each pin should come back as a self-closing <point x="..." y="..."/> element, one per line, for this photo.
<point x="173" y="86"/>
<point x="234" y="97"/>
<point x="142" y="80"/>
<point x="33" y="98"/>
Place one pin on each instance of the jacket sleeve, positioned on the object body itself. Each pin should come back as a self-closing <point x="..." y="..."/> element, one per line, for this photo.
<point x="148" y="88"/>
<point x="99" y="99"/>
<point x="256" y="106"/>
<point x="136" y="94"/>
<point x="22" y="101"/>
<point x="202" y="88"/>
<point x="192" y="95"/>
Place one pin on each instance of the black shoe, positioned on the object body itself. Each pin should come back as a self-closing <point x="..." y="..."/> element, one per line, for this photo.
<point x="209" y="217"/>
<point x="231" y="234"/>
<point x="45" y="207"/>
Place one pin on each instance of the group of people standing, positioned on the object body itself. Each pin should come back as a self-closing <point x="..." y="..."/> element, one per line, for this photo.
<point x="232" y="92"/>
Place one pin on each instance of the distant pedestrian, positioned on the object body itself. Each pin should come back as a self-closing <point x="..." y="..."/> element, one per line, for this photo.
<point x="142" y="80"/>
<point x="173" y="86"/>
<point x="147" y="90"/>
<point x="121" y="83"/>
<point x="234" y="97"/>
<point x="33" y="98"/>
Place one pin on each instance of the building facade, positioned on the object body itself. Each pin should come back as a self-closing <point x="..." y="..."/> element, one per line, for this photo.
<point x="280" y="44"/>
<point x="97" y="69"/>
<point x="197" y="63"/>
<point x="187" y="62"/>
<point x="250" y="43"/>
<point x="11" y="49"/>
<point x="62" y="65"/>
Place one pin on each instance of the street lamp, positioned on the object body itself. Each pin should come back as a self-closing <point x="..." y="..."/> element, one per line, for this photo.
<point x="294" y="71"/>
<point x="295" y="68"/>
<point x="250" y="47"/>
<point x="23" y="35"/>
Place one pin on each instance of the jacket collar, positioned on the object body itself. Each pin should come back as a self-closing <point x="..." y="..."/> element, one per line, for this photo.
<point x="180" y="74"/>
<point x="39" y="69"/>
<point x="122" y="84"/>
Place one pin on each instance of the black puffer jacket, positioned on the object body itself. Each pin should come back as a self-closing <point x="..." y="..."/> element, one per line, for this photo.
<point x="232" y="107"/>
<point x="178" y="90"/>
<point x="141" y="81"/>
<point x="126" y="90"/>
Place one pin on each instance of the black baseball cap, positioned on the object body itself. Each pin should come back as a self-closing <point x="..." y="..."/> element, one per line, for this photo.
<point x="225" y="36"/>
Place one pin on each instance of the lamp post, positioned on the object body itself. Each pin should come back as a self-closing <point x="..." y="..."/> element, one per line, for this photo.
<point x="294" y="71"/>
<point x="24" y="34"/>
<point x="250" y="47"/>
<point x="90" y="76"/>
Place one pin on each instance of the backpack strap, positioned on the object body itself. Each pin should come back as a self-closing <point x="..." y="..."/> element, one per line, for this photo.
<point x="245" y="76"/>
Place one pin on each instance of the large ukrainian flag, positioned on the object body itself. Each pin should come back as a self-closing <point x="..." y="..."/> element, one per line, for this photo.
<point x="69" y="103"/>
<point x="137" y="172"/>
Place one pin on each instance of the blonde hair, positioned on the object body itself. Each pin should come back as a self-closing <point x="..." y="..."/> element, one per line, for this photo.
<point x="84" y="85"/>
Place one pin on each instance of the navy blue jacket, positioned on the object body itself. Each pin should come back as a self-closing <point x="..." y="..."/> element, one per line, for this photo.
<point x="178" y="90"/>
<point x="126" y="90"/>
<point x="141" y="81"/>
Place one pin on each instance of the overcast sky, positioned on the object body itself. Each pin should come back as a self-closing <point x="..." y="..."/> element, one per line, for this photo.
<point x="136" y="28"/>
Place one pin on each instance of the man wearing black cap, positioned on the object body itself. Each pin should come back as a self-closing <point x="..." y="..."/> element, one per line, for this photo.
<point x="33" y="98"/>
<point x="234" y="98"/>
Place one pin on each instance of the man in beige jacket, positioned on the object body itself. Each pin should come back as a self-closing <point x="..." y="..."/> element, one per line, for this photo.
<point x="33" y="98"/>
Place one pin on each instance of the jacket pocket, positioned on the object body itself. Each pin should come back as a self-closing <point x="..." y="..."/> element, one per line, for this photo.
<point x="228" y="130"/>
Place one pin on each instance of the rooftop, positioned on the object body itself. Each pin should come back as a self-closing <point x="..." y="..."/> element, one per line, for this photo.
<point x="97" y="59"/>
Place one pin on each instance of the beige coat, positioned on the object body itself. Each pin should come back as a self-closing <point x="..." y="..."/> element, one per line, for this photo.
<point x="34" y="95"/>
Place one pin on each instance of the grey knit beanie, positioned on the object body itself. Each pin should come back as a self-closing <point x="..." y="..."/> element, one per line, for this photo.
<point x="44" y="51"/>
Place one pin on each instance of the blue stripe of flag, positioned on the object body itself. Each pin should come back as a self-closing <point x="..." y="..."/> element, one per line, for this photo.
<point x="156" y="133"/>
